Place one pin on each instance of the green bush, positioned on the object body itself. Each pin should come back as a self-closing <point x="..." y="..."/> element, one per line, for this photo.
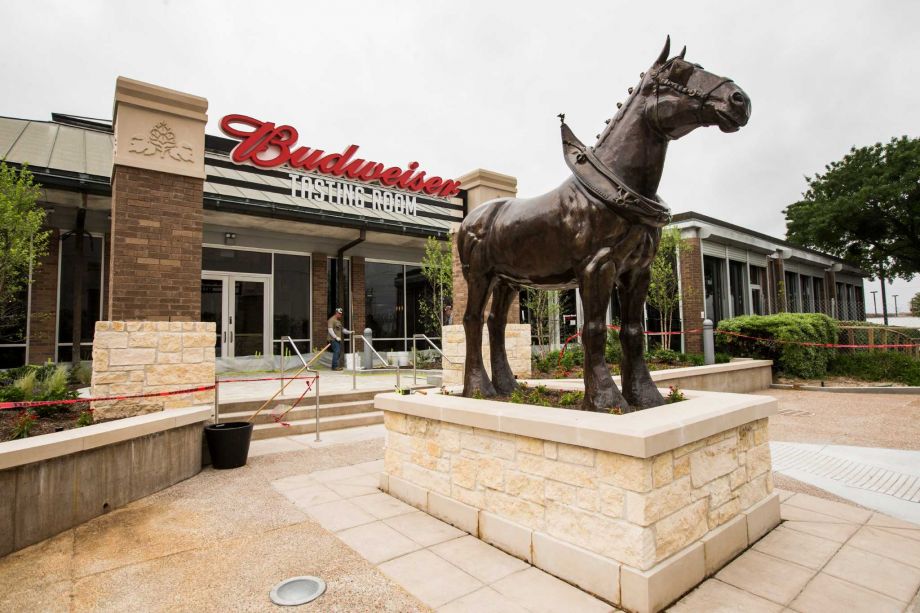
<point x="612" y="350"/>
<point x="663" y="355"/>
<point x="46" y="382"/>
<point x="784" y="330"/>
<point x="877" y="366"/>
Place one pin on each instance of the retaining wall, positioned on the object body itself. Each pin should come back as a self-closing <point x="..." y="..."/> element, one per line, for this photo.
<point x="53" y="482"/>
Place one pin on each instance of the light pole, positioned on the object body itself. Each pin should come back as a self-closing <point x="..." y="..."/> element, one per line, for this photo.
<point x="895" y="296"/>
<point x="874" y="305"/>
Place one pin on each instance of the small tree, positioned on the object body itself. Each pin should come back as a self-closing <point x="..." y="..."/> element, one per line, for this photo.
<point x="437" y="268"/>
<point x="915" y="305"/>
<point x="22" y="244"/>
<point x="663" y="291"/>
<point x="544" y="308"/>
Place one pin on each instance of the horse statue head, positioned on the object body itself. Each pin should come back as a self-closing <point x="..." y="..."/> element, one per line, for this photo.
<point x="680" y="96"/>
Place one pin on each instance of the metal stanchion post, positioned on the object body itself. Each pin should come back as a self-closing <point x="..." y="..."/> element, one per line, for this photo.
<point x="316" y="383"/>
<point x="216" y="401"/>
<point x="709" y="350"/>
<point x="282" y="363"/>
<point x="354" y="364"/>
<point x="414" y="362"/>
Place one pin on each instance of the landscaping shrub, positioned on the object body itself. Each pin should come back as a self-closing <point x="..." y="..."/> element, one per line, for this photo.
<point x="46" y="382"/>
<point x="789" y="358"/>
<point x="877" y="366"/>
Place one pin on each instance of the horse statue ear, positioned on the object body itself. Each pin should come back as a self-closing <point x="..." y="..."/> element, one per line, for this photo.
<point x="683" y="52"/>
<point x="664" y="52"/>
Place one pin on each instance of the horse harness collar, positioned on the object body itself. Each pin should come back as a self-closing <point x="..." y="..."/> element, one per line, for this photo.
<point x="604" y="184"/>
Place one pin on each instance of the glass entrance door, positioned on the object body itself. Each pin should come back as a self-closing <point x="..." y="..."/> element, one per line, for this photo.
<point x="239" y="305"/>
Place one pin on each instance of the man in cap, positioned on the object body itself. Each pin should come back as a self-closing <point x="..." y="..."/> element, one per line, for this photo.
<point x="336" y="329"/>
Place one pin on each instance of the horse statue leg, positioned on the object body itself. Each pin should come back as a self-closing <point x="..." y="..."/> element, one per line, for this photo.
<point x="475" y="378"/>
<point x="637" y="383"/>
<point x="502" y="377"/>
<point x="601" y="392"/>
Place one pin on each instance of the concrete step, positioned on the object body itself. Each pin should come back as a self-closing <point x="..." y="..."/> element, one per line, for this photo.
<point x="308" y="426"/>
<point x="238" y="406"/>
<point x="302" y="411"/>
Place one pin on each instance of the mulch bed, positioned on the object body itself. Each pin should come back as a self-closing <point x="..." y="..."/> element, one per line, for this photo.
<point x="57" y="422"/>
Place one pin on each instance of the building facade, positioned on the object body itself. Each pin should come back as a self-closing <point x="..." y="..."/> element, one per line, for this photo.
<point x="152" y="219"/>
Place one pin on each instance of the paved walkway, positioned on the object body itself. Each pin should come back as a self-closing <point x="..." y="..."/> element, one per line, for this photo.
<point x="886" y="480"/>
<point x="825" y="557"/>
<point x="330" y="382"/>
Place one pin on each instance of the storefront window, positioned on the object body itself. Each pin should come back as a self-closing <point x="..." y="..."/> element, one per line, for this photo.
<point x="332" y="291"/>
<point x="383" y="303"/>
<point x="713" y="283"/>
<point x="792" y="292"/>
<point x="419" y="292"/>
<point x="736" y="280"/>
<point x="758" y="278"/>
<point x="292" y="299"/>
<point x="91" y="291"/>
<point x="13" y="333"/>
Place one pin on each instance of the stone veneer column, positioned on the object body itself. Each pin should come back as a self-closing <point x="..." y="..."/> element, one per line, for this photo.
<point x="43" y="318"/>
<point x="143" y="357"/>
<point x="691" y="291"/>
<point x="157" y="199"/>
<point x="319" y="263"/>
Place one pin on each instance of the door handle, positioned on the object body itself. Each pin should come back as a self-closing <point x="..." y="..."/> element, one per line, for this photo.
<point x="231" y="336"/>
<point x="225" y="336"/>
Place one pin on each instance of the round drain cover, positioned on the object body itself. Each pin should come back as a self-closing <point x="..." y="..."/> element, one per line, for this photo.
<point x="297" y="590"/>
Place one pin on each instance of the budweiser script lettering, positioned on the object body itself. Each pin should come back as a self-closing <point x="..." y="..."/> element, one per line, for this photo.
<point x="266" y="145"/>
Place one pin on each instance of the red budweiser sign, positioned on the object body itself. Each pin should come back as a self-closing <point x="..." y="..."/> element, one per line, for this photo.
<point x="267" y="145"/>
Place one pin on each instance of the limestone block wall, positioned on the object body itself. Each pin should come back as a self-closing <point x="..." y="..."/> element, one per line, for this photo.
<point x="517" y="344"/>
<point x="637" y="511"/>
<point x="139" y="357"/>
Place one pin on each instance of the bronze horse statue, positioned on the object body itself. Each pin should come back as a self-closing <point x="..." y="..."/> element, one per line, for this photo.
<point x="598" y="231"/>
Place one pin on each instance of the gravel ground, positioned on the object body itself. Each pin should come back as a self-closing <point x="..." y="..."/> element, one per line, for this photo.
<point x="862" y="420"/>
<point x="216" y="542"/>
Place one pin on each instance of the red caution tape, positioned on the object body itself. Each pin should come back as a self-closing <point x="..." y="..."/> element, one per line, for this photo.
<point x="25" y="404"/>
<point x="825" y="345"/>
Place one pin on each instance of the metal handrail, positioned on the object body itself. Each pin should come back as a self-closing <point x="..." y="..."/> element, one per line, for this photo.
<point x="354" y="360"/>
<point x="306" y="366"/>
<point x="415" y="337"/>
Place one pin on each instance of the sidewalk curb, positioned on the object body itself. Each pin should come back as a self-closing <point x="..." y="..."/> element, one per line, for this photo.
<point x="847" y="390"/>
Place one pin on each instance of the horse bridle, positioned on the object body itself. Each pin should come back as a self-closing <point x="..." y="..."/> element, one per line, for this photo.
<point x="682" y="89"/>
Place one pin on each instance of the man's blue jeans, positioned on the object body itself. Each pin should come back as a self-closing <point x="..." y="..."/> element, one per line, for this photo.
<point x="336" y="353"/>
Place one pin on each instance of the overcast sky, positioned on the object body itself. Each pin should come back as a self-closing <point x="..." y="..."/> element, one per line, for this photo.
<point x="470" y="84"/>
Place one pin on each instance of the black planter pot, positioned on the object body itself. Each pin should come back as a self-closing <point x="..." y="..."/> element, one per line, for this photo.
<point x="228" y="443"/>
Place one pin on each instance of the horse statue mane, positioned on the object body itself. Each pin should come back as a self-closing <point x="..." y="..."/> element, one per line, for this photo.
<point x="598" y="231"/>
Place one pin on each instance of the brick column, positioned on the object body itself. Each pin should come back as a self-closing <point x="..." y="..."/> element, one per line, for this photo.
<point x="157" y="198"/>
<point x="691" y="292"/>
<point x="358" y="315"/>
<point x="780" y="298"/>
<point x="830" y="292"/>
<point x="319" y="263"/>
<point x="44" y="304"/>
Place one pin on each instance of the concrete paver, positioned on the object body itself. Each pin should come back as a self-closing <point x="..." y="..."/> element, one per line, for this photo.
<point x="717" y="597"/>
<point x="826" y="593"/>
<point x="765" y="576"/>
<point x="875" y="572"/>
<point x="803" y="549"/>
<point x="431" y="579"/>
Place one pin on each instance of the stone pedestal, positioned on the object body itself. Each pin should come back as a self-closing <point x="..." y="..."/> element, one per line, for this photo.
<point x="517" y="345"/>
<point x="141" y="357"/>
<point x="637" y="509"/>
